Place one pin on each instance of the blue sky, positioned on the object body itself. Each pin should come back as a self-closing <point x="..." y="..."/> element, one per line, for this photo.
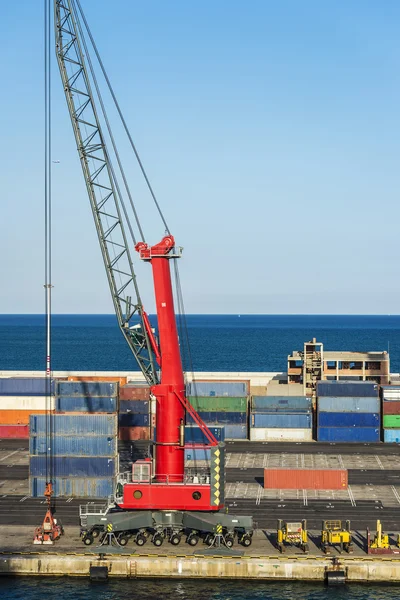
<point x="269" y="130"/>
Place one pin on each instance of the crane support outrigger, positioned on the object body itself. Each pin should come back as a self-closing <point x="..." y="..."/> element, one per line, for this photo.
<point x="168" y="504"/>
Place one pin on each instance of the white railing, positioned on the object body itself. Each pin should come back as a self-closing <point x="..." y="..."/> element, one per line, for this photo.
<point x="192" y="477"/>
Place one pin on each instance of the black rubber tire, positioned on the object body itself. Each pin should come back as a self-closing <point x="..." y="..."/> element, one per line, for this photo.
<point x="88" y="540"/>
<point x="229" y="541"/>
<point x="140" y="539"/>
<point x="175" y="539"/>
<point x="246" y="541"/>
<point x="158" y="540"/>
<point x="123" y="540"/>
<point x="95" y="533"/>
<point x="193" y="540"/>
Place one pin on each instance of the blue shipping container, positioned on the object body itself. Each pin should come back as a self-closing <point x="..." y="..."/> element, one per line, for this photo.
<point x="197" y="453"/>
<point x="217" y="388"/>
<point x="132" y="420"/>
<point x="69" y="445"/>
<point x="139" y="407"/>
<point x="235" y="432"/>
<point x="87" y="388"/>
<point x="75" y="424"/>
<point x="87" y="487"/>
<point x="296" y="404"/>
<point x="194" y="434"/>
<point x="348" y="404"/>
<point x="70" y="466"/>
<point x="348" y="434"/>
<point x="347" y="388"/>
<point x="232" y="418"/>
<point x="26" y="386"/>
<point x="346" y="419"/>
<point x="282" y="421"/>
<point x="88" y="405"/>
<point x="391" y="436"/>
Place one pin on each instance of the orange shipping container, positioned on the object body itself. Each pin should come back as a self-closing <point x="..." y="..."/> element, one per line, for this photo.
<point x="120" y="380"/>
<point x="18" y="417"/>
<point x="306" y="479"/>
<point x="134" y="433"/>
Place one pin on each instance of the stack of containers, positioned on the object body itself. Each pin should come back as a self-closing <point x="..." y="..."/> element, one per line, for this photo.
<point x="81" y="452"/>
<point x="221" y="403"/>
<point x="281" y="418"/>
<point x="135" y="412"/>
<point x="391" y="413"/>
<point x="348" y="411"/>
<point x="19" y="398"/>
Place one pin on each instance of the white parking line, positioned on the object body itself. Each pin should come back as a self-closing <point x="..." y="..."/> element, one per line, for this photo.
<point x="396" y="494"/>
<point x="259" y="494"/>
<point x="305" y="499"/>
<point x="351" y="496"/>
<point x="8" y="455"/>
<point x="24" y="498"/>
<point x="341" y="463"/>
<point x="378" y="460"/>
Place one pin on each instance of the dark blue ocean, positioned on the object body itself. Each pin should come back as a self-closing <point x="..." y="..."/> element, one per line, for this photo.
<point x="217" y="342"/>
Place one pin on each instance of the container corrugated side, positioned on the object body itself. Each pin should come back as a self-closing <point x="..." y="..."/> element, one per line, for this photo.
<point x="218" y="403"/>
<point x="348" y="434"/>
<point x="347" y="388"/>
<point x="391" y="421"/>
<point x="75" y="424"/>
<point x="78" y="487"/>
<point x="348" y="404"/>
<point x="134" y="392"/>
<point x="134" y="433"/>
<point x="391" y="436"/>
<point x="197" y="454"/>
<point x="26" y="386"/>
<point x="71" y="466"/>
<point x="287" y="421"/>
<point x="95" y="404"/>
<point x="193" y="434"/>
<point x="14" y="431"/>
<point x="328" y="419"/>
<point x="29" y="403"/>
<point x="139" y="407"/>
<point x="306" y="479"/>
<point x="391" y="408"/>
<point x="232" y="418"/>
<point x="87" y="388"/>
<point x="236" y="432"/>
<point x="281" y="404"/>
<point x="217" y="388"/>
<point x="133" y="420"/>
<point x="280" y="435"/>
<point x="80" y="446"/>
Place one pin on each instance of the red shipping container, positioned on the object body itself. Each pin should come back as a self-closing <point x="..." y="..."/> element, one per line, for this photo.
<point x="305" y="479"/>
<point x="133" y="433"/>
<point x="134" y="392"/>
<point x="14" y="431"/>
<point x="391" y="407"/>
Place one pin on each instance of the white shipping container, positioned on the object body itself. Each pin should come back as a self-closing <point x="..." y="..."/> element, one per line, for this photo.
<point x="26" y="403"/>
<point x="272" y="434"/>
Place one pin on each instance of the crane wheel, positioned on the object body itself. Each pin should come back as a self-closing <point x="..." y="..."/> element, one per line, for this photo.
<point x="193" y="540"/>
<point x="123" y="540"/>
<point x="88" y="539"/>
<point x="175" y="539"/>
<point x="140" y="539"/>
<point x="95" y="532"/>
<point x="229" y="540"/>
<point x="246" y="540"/>
<point x="158" y="539"/>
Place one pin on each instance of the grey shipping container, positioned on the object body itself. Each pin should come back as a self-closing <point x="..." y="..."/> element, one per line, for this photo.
<point x="74" y="424"/>
<point x="87" y="388"/>
<point x="347" y="388"/>
<point x="235" y="432"/>
<point x="72" y="466"/>
<point x="94" y="404"/>
<point x="282" y="421"/>
<point x="26" y="386"/>
<point x="281" y="403"/>
<point x="79" y="487"/>
<point x="351" y="404"/>
<point x="217" y="388"/>
<point x="69" y="445"/>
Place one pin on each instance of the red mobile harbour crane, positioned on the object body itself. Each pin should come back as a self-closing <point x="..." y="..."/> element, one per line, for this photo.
<point x="171" y="503"/>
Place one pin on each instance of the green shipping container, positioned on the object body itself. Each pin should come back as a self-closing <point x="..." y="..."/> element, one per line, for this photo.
<point x="218" y="404"/>
<point x="391" y="421"/>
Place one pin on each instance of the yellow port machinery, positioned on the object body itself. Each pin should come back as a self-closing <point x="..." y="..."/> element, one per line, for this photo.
<point x="292" y="534"/>
<point x="380" y="543"/>
<point x="333" y="534"/>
